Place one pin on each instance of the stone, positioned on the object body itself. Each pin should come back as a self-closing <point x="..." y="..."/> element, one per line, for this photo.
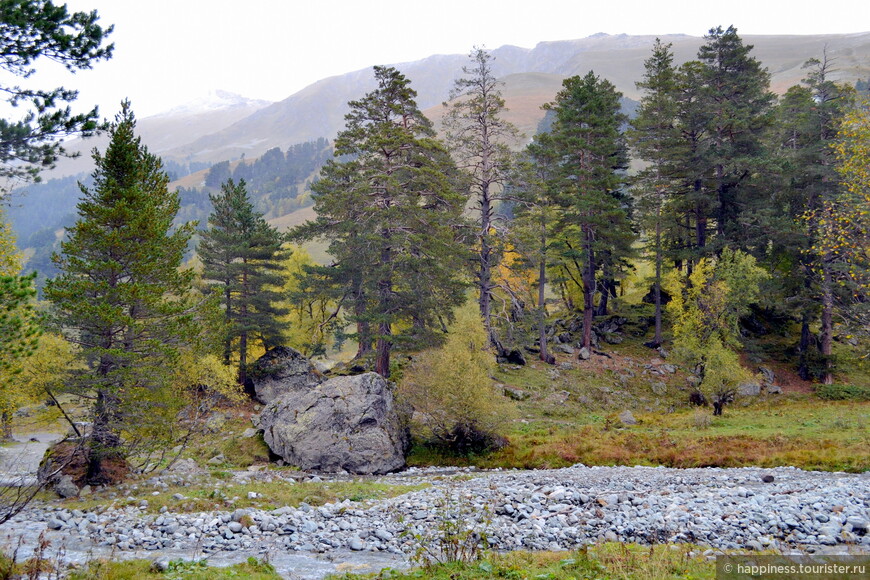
<point x="66" y="488"/>
<point x="767" y="375"/>
<point x="218" y="459"/>
<point x="750" y="389"/>
<point x="515" y="393"/>
<point x="626" y="418"/>
<point x="249" y="432"/>
<point x="659" y="388"/>
<point x="669" y="368"/>
<point x="512" y="357"/>
<point x="282" y="370"/>
<point x="564" y="348"/>
<point x="347" y="423"/>
<point x="773" y="389"/>
<point x="584" y="354"/>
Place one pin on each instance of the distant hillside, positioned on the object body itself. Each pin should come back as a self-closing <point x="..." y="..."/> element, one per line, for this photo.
<point x="532" y="76"/>
<point x="167" y="131"/>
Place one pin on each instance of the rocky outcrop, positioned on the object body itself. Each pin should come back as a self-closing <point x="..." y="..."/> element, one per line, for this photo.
<point x="282" y="370"/>
<point x="347" y="423"/>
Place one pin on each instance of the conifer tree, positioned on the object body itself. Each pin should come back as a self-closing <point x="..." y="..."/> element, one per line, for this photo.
<point x="479" y="139"/>
<point x="593" y="233"/>
<point x="656" y="139"/>
<point x="241" y="255"/>
<point x="390" y="208"/>
<point x="122" y="297"/>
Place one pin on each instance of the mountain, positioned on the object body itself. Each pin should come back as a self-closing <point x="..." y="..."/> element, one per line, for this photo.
<point x="169" y="130"/>
<point x="532" y="77"/>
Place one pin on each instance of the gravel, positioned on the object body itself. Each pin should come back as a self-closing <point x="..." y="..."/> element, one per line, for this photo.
<point x="734" y="509"/>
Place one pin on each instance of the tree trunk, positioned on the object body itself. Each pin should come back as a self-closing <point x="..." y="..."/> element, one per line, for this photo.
<point x="588" y="291"/>
<point x="804" y="348"/>
<point x="542" y="312"/>
<point x="385" y="291"/>
<point x="657" y="339"/>
<point x="104" y="442"/>
<point x="484" y="273"/>
<point x="827" y="330"/>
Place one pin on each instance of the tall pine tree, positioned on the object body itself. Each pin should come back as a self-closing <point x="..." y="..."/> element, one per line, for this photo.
<point x="479" y="139"/>
<point x="121" y="295"/>
<point x="241" y="255"/>
<point x="390" y="208"/>
<point x="593" y="233"/>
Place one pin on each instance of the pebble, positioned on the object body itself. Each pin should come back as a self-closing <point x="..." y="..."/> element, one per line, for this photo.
<point x="548" y="509"/>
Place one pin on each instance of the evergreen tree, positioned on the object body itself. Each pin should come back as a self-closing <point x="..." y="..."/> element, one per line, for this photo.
<point x="593" y="233"/>
<point x="724" y="109"/>
<point x="390" y="207"/>
<point x="241" y="256"/>
<point x="479" y="140"/>
<point x="656" y="139"/>
<point x="791" y="220"/>
<point x="35" y="30"/>
<point x="122" y="297"/>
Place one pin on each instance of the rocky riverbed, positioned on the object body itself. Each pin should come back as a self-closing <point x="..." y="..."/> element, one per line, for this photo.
<point x="724" y="509"/>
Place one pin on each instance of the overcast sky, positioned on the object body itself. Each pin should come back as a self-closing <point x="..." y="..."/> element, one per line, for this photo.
<point x="169" y="52"/>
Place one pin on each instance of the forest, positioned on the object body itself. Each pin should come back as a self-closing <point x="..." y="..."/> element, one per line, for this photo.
<point x="719" y="213"/>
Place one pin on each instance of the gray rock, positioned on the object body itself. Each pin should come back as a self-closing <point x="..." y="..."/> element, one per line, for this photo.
<point x="659" y="388"/>
<point x="282" y="370"/>
<point x="767" y="375"/>
<point x="217" y="459"/>
<point x="627" y="418"/>
<point x="356" y="544"/>
<point x="515" y="393"/>
<point x="65" y="487"/>
<point x="249" y="432"/>
<point x="564" y="348"/>
<point x="669" y="368"/>
<point x="584" y="354"/>
<point x="346" y="423"/>
<point x="750" y="389"/>
<point x="773" y="389"/>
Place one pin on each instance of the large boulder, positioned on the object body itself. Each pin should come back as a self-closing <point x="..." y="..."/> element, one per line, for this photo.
<point x="347" y="423"/>
<point x="282" y="370"/>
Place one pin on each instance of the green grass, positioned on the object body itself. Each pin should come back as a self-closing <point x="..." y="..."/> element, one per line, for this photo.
<point x="252" y="569"/>
<point x="801" y="431"/>
<point x="607" y="561"/>
<point x="269" y="495"/>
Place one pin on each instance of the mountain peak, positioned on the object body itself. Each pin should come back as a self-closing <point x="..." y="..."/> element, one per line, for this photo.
<point x="214" y="100"/>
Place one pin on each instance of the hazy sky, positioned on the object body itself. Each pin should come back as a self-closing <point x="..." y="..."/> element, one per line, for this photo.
<point x="169" y="52"/>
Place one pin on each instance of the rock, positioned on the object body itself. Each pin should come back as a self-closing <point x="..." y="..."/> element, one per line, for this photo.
<point x="515" y="393"/>
<point x="750" y="389"/>
<point x="512" y="357"/>
<point x="160" y="564"/>
<point x="659" y="388"/>
<point x="584" y="354"/>
<point x="218" y="459"/>
<point x="282" y="370"/>
<point x="773" y="389"/>
<point x="65" y="487"/>
<point x="767" y="375"/>
<point x="356" y="544"/>
<point x="626" y="418"/>
<point x="669" y="368"/>
<point x="767" y="478"/>
<point x="187" y="465"/>
<point x="565" y="348"/>
<point x="249" y="432"/>
<point x="347" y="422"/>
<point x="613" y="338"/>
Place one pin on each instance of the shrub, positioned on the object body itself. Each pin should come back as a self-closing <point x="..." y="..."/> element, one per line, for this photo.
<point x="450" y="389"/>
<point x="843" y="392"/>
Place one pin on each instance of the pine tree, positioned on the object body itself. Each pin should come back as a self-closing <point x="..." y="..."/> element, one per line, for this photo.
<point x="593" y="233"/>
<point x="656" y="139"/>
<point x="390" y="208"/>
<point x="34" y="31"/>
<point x="241" y="256"/>
<point x="479" y="140"/>
<point x="122" y="297"/>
